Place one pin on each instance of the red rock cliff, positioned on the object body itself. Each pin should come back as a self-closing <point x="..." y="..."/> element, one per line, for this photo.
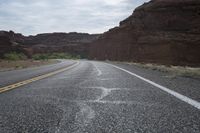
<point x="160" y="31"/>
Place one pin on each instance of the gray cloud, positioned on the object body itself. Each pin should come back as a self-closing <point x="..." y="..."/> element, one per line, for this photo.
<point x="39" y="16"/>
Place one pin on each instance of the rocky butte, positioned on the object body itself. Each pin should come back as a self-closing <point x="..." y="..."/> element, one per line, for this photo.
<point x="160" y="31"/>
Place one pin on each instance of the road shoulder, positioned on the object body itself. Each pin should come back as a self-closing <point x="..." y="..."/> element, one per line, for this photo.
<point x="22" y="64"/>
<point x="185" y="85"/>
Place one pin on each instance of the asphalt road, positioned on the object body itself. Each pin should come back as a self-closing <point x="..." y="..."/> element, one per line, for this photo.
<point x="95" y="97"/>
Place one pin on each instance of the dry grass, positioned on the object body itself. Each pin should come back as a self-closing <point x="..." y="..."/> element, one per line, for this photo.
<point x="6" y="65"/>
<point x="174" y="70"/>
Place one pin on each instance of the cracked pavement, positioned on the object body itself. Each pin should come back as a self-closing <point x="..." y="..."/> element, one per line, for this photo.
<point x="96" y="97"/>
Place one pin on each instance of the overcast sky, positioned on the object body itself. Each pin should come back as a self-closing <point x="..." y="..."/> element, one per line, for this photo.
<point x="41" y="16"/>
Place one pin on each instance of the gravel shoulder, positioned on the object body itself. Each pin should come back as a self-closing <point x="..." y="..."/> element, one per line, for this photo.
<point x="15" y="65"/>
<point x="185" y="81"/>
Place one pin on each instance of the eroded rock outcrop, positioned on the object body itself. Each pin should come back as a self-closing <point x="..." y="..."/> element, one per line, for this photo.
<point x="74" y="43"/>
<point x="160" y="31"/>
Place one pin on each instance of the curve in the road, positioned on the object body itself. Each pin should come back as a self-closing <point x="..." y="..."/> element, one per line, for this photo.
<point x="16" y="85"/>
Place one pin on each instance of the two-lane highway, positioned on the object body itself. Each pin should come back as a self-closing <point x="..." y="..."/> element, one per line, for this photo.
<point x="96" y="97"/>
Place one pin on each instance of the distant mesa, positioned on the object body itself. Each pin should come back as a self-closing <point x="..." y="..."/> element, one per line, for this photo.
<point x="73" y="43"/>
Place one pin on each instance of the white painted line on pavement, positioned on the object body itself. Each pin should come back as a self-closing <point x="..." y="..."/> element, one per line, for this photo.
<point x="181" y="97"/>
<point x="98" y="70"/>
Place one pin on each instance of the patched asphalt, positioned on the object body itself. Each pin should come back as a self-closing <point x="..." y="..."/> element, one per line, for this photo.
<point x="83" y="100"/>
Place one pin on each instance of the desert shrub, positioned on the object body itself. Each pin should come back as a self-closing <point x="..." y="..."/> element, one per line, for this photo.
<point x="55" y="56"/>
<point x="60" y="56"/>
<point x="14" y="56"/>
<point x="78" y="57"/>
<point x="40" y="57"/>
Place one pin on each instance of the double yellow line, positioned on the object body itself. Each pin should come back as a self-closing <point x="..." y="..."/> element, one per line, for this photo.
<point x="16" y="85"/>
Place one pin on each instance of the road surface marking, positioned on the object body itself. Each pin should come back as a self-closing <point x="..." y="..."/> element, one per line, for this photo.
<point x="22" y="83"/>
<point x="98" y="70"/>
<point x="181" y="97"/>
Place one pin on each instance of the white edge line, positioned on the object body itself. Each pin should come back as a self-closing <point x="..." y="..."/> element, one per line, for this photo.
<point x="175" y="94"/>
<point x="98" y="70"/>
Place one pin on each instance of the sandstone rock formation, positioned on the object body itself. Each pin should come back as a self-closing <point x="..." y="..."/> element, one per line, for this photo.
<point x="74" y="43"/>
<point x="160" y="31"/>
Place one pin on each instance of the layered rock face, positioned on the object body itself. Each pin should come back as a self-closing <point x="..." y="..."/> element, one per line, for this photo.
<point x="74" y="43"/>
<point x="160" y="31"/>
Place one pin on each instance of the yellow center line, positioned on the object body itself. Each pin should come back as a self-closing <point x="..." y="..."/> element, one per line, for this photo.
<point x="22" y="83"/>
